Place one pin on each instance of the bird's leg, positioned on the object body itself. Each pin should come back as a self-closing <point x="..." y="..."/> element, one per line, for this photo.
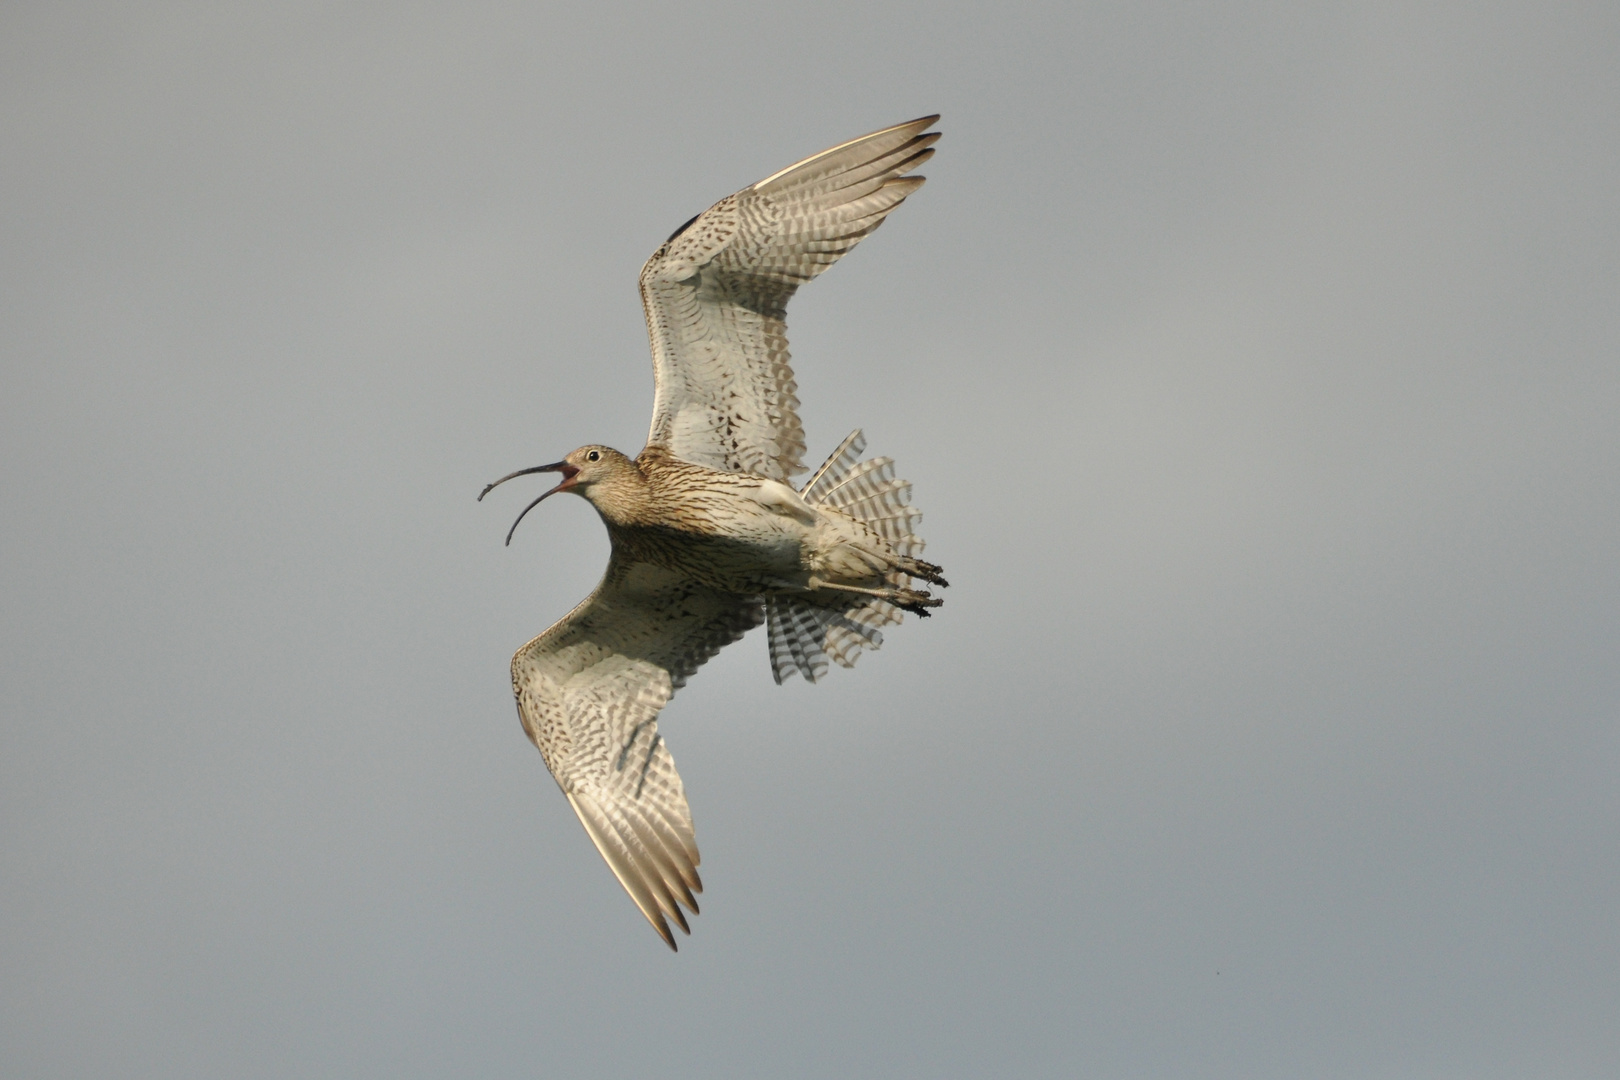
<point x="635" y="733"/>
<point x="916" y="601"/>
<point x="652" y="748"/>
<point x="647" y="759"/>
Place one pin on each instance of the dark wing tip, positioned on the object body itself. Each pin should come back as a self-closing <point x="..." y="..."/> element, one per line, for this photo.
<point x="689" y="222"/>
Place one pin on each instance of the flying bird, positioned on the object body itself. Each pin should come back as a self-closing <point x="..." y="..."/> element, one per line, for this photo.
<point x="709" y="539"/>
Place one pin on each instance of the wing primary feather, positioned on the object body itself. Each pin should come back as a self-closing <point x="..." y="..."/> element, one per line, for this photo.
<point x="828" y="160"/>
<point x="645" y="863"/>
<point x="898" y="161"/>
<point x="680" y="855"/>
<point x="666" y="863"/>
<point x="619" y="863"/>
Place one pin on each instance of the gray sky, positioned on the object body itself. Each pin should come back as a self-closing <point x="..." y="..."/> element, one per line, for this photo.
<point x="1256" y="366"/>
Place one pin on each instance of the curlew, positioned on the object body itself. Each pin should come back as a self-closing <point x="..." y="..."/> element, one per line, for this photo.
<point x="708" y="537"/>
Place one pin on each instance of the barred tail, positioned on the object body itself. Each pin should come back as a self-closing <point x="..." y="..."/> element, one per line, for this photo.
<point x="803" y="634"/>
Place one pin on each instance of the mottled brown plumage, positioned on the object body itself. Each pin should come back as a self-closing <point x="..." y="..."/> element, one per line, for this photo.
<point x="708" y="540"/>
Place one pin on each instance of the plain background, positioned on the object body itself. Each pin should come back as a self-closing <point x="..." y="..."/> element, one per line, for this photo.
<point x="1255" y="364"/>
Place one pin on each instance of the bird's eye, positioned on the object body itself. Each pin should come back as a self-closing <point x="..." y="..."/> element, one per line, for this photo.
<point x="594" y="455"/>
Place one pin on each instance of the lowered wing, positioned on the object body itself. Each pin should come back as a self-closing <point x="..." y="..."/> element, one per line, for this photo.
<point x="589" y="691"/>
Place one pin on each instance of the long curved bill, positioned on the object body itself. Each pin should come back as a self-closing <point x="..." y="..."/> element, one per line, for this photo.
<point x="568" y="471"/>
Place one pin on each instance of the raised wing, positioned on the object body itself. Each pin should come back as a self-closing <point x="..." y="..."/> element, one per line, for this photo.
<point x="589" y="691"/>
<point x="716" y="297"/>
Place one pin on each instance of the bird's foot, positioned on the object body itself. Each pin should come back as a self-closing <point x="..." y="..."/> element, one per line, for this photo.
<point x="916" y="601"/>
<point x="927" y="571"/>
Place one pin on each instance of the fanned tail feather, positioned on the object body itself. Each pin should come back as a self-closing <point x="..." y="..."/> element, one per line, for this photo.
<point x="805" y="635"/>
<point x="835" y="468"/>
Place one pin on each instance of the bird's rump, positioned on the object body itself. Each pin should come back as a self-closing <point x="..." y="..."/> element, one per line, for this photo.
<point x="715" y="296"/>
<point x="589" y="691"/>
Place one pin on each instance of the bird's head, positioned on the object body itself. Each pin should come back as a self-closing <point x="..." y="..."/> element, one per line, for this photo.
<point x="582" y="472"/>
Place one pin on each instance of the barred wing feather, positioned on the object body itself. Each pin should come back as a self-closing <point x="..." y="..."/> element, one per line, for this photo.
<point x="716" y="296"/>
<point x="589" y="691"/>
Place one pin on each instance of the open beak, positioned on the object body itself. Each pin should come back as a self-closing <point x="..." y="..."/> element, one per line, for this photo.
<point x="568" y="471"/>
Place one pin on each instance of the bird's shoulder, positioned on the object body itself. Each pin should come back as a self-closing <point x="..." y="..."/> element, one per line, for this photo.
<point x="695" y="244"/>
<point x="621" y="653"/>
